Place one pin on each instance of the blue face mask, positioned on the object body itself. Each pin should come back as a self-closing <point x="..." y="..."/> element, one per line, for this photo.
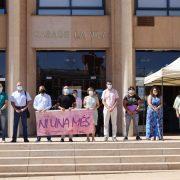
<point x="66" y="91"/>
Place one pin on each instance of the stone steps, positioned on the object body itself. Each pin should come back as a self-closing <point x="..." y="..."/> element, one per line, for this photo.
<point x="90" y="145"/>
<point x="32" y="159"/>
<point x="36" y="174"/>
<point x="88" y="160"/>
<point x="32" y="168"/>
<point x="89" y="152"/>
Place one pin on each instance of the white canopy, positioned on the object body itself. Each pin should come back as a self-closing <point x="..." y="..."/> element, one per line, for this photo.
<point x="168" y="76"/>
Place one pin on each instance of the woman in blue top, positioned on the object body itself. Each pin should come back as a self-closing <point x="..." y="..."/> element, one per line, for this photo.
<point x="154" y="118"/>
<point x="3" y="107"/>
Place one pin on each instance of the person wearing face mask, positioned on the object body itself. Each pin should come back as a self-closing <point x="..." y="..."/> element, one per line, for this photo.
<point x="20" y="100"/>
<point x="109" y="100"/>
<point x="78" y="100"/>
<point x="154" y="116"/>
<point x="131" y="103"/>
<point x="92" y="102"/>
<point x="3" y="107"/>
<point x="42" y="103"/>
<point x="66" y="101"/>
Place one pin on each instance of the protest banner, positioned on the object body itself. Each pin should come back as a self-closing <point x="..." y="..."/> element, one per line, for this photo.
<point x="53" y="123"/>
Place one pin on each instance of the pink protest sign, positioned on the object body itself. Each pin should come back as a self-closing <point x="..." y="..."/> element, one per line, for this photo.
<point x="67" y="122"/>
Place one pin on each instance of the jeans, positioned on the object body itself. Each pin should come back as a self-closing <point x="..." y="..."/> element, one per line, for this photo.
<point x="17" y="116"/>
<point x="3" y="123"/>
<point x="135" y="118"/>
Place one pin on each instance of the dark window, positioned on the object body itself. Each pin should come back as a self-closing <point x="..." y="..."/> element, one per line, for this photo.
<point x="70" y="7"/>
<point x="2" y="6"/>
<point x="2" y="65"/>
<point x="157" y="7"/>
<point x="148" y="62"/>
<point x="80" y="69"/>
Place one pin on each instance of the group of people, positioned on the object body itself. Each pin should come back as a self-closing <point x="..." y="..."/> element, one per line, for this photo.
<point x="20" y="100"/>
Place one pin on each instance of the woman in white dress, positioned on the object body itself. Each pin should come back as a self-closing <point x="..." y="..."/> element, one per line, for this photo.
<point x="92" y="102"/>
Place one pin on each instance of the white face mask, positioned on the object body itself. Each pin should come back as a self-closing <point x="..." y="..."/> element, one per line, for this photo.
<point x="66" y="91"/>
<point x="1" y="89"/>
<point x="131" y="92"/>
<point x="109" y="86"/>
<point x="91" y="93"/>
<point x="19" y="88"/>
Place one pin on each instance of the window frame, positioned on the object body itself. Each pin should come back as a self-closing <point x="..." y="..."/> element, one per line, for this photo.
<point x="71" y="8"/>
<point x="5" y="9"/>
<point x="167" y="8"/>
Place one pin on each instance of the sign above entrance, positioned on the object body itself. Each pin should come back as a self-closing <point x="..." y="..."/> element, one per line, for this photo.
<point x="70" y="32"/>
<point x="48" y="34"/>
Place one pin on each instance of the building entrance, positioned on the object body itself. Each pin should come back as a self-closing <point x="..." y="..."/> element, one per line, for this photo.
<point x="77" y="69"/>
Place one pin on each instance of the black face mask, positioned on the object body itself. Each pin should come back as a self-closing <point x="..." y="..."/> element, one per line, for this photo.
<point x="42" y="91"/>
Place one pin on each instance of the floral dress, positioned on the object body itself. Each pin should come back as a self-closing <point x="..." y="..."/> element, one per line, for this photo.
<point x="154" y="120"/>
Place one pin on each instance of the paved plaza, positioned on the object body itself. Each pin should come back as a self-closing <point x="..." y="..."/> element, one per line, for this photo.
<point x="152" y="175"/>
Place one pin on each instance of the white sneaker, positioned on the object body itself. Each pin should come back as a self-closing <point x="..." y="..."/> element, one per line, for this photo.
<point x="157" y="138"/>
<point x="152" y="138"/>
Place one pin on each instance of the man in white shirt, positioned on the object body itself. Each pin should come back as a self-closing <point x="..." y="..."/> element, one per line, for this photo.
<point x="109" y="100"/>
<point x="20" y="100"/>
<point x="42" y="103"/>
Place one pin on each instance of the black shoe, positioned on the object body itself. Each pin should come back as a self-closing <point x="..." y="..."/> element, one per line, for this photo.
<point x="26" y="140"/>
<point x="37" y="140"/>
<point x="70" y="140"/>
<point x="13" y="140"/>
<point x="125" y="138"/>
<point x="138" y="138"/>
<point x="62" y="139"/>
<point x="49" y="140"/>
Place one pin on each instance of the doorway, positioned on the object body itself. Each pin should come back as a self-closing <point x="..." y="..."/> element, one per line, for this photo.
<point x="77" y="69"/>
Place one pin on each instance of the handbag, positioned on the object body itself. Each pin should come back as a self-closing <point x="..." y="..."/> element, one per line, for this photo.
<point x="27" y="110"/>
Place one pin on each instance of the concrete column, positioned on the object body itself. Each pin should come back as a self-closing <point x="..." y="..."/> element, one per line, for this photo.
<point x="127" y="51"/>
<point x="123" y="65"/>
<point x="16" y="50"/>
<point x="31" y="65"/>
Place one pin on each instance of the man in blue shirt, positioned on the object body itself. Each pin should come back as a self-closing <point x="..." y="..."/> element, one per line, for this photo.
<point x="3" y="107"/>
